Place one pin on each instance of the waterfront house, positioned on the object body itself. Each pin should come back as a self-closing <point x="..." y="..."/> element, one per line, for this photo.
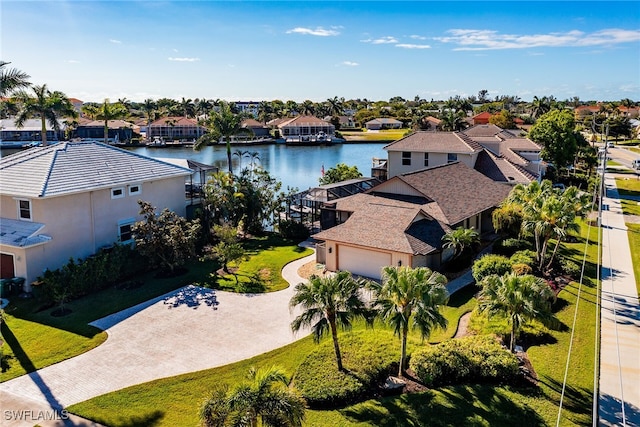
<point x="260" y="130"/>
<point x="306" y="128"/>
<point x="175" y="128"/>
<point x="401" y="221"/>
<point x="73" y="198"/>
<point x="118" y="130"/>
<point x="30" y="131"/>
<point x="383" y="123"/>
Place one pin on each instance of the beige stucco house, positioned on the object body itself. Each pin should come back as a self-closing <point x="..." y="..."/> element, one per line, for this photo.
<point x="73" y="198"/>
<point x="402" y="221"/>
<point x="502" y="155"/>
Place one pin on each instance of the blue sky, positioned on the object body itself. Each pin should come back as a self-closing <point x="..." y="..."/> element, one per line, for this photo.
<point x="299" y="50"/>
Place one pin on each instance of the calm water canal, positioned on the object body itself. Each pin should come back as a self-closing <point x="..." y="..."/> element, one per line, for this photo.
<point x="295" y="166"/>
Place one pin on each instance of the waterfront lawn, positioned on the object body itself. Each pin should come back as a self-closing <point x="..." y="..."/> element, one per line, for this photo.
<point x="386" y="135"/>
<point x="176" y="400"/>
<point x="262" y="271"/>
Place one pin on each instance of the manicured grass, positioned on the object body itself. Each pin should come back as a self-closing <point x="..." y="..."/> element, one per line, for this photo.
<point x="261" y="272"/>
<point x="175" y="401"/>
<point x="387" y="135"/>
<point x="634" y="242"/>
<point x="613" y="163"/>
<point x="628" y="187"/>
<point x="35" y="339"/>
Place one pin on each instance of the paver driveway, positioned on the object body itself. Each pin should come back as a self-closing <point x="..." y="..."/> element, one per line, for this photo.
<point x="184" y="331"/>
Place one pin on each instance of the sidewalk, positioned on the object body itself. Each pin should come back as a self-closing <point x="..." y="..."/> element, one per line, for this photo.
<point x="620" y="322"/>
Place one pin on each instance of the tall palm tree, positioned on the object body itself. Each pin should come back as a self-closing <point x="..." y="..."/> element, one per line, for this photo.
<point x="222" y="124"/>
<point x="12" y="79"/>
<point x="46" y="105"/>
<point x="460" y="239"/>
<point x="149" y="107"/>
<point x="106" y="111"/>
<point x="264" y="400"/>
<point x="329" y="303"/>
<point x="410" y="297"/>
<point x="453" y="121"/>
<point x="187" y="107"/>
<point x="540" y="106"/>
<point x="307" y="108"/>
<point x="517" y="298"/>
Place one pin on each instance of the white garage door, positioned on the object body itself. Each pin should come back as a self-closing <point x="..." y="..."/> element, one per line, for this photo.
<point x="362" y="262"/>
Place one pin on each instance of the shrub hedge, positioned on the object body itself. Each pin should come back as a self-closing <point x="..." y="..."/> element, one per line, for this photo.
<point x="474" y="359"/>
<point x="366" y="362"/>
<point x="508" y="247"/>
<point x="525" y="256"/>
<point x="294" y="230"/>
<point x="81" y="277"/>
<point x="490" y="264"/>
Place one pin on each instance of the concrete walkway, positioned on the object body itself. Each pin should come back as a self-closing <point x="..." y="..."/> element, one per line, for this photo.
<point x="187" y="330"/>
<point x="619" y="397"/>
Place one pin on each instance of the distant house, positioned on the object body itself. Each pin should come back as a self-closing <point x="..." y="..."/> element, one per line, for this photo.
<point x="259" y="130"/>
<point x="182" y="128"/>
<point x="77" y="104"/>
<point x="119" y="130"/>
<point x="432" y="123"/>
<point x="30" y="131"/>
<point x="383" y="123"/>
<point x="301" y="128"/>
<point x="344" y="122"/>
<point x="73" y="198"/>
<point x="500" y="154"/>
<point x="401" y="221"/>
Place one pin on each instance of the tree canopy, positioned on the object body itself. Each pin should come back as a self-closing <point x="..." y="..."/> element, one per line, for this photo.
<point x="556" y="132"/>
<point x="340" y="172"/>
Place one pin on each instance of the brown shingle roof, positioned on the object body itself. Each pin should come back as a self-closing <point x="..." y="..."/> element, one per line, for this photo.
<point x="459" y="191"/>
<point x="425" y="141"/>
<point x="501" y="169"/>
<point x="176" y="121"/>
<point x="304" y="120"/>
<point x="111" y="124"/>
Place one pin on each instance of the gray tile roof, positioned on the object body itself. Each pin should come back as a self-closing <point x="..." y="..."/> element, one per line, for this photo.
<point x="72" y="167"/>
<point x="501" y="169"/>
<point x="435" y="142"/>
<point x="21" y="233"/>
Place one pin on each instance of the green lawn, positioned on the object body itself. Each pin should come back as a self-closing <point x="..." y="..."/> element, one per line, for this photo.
<point x="175" y="401"/>
<point x="631" y="187"/>
<point x="261" y="272"/>
<point x="35" y="339"/>
<point x="634" y="242"/>
<point x="387" y="135"/>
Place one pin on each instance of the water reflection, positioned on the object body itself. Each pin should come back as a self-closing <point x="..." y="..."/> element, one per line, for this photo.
<point x="294" y="166"/>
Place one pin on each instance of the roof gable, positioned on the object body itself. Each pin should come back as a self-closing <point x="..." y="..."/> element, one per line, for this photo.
<point x="72" y="167"/>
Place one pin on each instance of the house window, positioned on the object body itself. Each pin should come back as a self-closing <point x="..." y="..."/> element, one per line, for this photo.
<point x="117" y="193"/>
<point x="452" y="157"/>
<point x="426" y="160"/>
<point x="24" y="209"/>
<point x="135" y="189"/>
<point x="406" y="158"/>
<point x="125" y="230"/>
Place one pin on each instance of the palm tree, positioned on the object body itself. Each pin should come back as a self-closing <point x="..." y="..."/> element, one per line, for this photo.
<point x="329" y="302"/>
<point x="540" y="106"/>
<point x="240" y="154"/>
<point x="12" y="79"/>
<point x="460" y="239"/>
<point x="453" y="121"/>
<point x="518" y="298"/>
<point x="106" y="111"/>
<point x="149" y="108"/>
<point x="46" y="105"/>
<point x="307" y="108"/>
<point x="410" y="297"/>
<point x="264" y="400"/>
<point x="222" y="124"/>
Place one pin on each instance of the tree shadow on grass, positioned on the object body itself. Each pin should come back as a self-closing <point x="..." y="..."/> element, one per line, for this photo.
<point x="461" y="405"/>
<point x="576" y="399"/>
<point x="463" y="296"/>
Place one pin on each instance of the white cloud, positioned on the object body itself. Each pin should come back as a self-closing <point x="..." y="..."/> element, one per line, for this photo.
<point x="413" y="46"/>
<point x="115" y="41"/>
<point x="417" y="37"/>
<point x="381" y="40"/>
<point x="350" y="63"/>
<point x="175" y="50"/>
<point x="318" y="31"/>
<point x="469" y="39"/>
<point x="183" y="59"/>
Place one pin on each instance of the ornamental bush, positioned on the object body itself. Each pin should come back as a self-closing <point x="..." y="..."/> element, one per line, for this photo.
<point x="490" y="264"/>
<point x="468" y="360"/>
<point x="508" y="247"/>
<point x="521" y="269"/>
<point x="294" y="230"/>
<point x="526" y="256"/>
<point x="366" y="361"/>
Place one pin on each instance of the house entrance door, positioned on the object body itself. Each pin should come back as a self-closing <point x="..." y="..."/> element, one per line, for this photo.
<point x="6" y="266"/>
